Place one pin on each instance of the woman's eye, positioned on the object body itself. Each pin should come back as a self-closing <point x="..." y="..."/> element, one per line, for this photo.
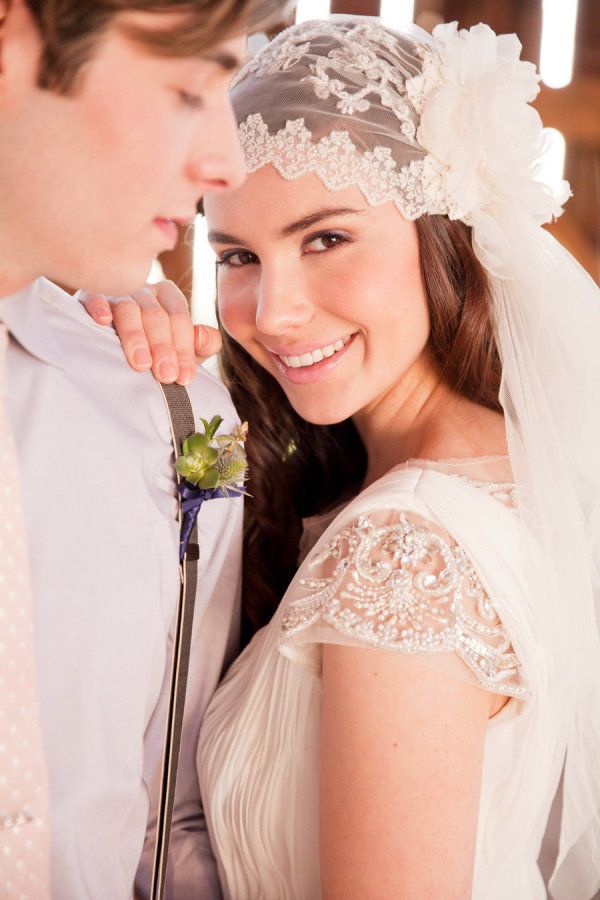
<point x="326" y="241"/>
<point x="237" y="258"/>
<point x="193" y="101"/>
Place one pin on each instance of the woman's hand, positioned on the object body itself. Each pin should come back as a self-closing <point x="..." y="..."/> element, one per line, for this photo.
<point x="156" y="330"/>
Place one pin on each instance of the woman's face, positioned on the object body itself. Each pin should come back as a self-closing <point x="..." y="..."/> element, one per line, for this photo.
<point x="323" y="290"/>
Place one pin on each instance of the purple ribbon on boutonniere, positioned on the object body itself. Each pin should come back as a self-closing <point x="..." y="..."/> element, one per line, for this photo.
<point x="192" y="499"/>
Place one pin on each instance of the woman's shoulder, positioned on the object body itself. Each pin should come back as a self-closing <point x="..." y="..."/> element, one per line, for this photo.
<point x="415" y="563"/>
<point x="457" y="490"/>
<point x="453" y="518"/>
<point x="466" y="498"/>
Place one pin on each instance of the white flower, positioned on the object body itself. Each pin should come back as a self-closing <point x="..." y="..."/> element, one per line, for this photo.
<point x="482" y="137"/>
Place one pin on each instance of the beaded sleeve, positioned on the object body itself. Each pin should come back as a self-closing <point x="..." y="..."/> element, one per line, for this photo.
<point x="404" y="585"/>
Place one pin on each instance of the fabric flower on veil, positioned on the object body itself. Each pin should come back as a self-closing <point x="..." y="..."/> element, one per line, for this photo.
<point x="483" y="139"/>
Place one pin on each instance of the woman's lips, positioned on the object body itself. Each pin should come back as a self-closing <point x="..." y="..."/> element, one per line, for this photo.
<point x="314" y="372"/>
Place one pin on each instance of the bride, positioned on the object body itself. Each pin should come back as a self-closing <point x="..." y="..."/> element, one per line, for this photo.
<point x="417" y="360"/>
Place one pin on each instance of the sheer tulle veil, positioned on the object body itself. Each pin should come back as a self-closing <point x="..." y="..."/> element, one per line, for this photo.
<point x="443" y="124"/>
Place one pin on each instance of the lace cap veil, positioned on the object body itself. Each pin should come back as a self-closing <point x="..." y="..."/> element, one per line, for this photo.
<point x="331" y="100"/>
<point x="442" y="125"/>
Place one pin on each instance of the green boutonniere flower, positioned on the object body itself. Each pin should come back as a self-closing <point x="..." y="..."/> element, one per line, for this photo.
<point x="211" y="466"/>
<point x="215" y="461"/>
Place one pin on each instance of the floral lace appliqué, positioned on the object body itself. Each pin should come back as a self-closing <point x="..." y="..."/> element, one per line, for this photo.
<point x="366" y="74"/>
<point x="403" y="586"/>
<point x="457" y="105"/>
<point x="363" y="63"/>
<point x="339" y="164"/>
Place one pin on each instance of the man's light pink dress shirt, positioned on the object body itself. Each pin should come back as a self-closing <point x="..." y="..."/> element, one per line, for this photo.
<point x="96" y="459"/>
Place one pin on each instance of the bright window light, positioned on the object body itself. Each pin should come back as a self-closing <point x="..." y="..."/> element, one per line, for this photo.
<point x="203" y="291"/>
<point x="156" y="273"/>
<point x="256" y="42"/>
<point x="311" y="9"/>
<point x="559" y="19"/>
<point x="552" y="169"/>
<point x="396" y="13"/>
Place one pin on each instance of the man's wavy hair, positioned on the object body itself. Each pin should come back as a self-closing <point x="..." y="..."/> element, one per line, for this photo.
<point x="71" y="29"/>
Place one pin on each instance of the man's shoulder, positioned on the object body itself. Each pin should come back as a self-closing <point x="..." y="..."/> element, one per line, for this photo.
<point x="209" y="397"/>
<point x="63" y="307"/>
<point x="39" y="319"/>
<point x="75" y="330"/>
<point x="86" y="345"/>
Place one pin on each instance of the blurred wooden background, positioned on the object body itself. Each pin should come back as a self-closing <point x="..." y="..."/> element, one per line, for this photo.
<point x="574" y="110"/>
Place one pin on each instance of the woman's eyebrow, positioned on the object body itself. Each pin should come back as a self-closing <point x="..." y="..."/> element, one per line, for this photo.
<point x="221" y="237"/>
<point x="317" y="216"/>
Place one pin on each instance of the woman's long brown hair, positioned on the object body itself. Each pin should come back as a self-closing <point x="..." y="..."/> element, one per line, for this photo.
<point x="298" y="469"/>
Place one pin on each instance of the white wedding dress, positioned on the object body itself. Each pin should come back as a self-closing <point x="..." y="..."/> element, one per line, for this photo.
<point x="427" y="561"/>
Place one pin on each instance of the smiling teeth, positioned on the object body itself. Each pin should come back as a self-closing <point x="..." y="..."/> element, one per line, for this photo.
<point x="309" y="359"/>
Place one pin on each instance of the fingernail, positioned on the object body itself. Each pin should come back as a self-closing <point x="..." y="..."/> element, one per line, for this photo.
<point x="142" y="358"/>
<point x="167" y="371"/>
<point x="102" y="314"/>
<point x="142" y="293"/>
<point x="202" y="336"/>
<point x="186" y="376"/>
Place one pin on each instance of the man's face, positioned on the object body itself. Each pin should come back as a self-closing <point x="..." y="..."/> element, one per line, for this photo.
<point x="92" y="183"/>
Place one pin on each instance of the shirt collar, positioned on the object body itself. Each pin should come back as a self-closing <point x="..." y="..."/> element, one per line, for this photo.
<point x="27" y="318"/>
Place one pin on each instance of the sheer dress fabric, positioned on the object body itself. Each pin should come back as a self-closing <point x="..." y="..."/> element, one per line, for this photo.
<point x="427" y="561"/>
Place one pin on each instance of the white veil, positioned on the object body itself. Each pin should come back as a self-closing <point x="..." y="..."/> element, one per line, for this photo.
<point x="442" y="124"/>
<point x="548" y="328"/>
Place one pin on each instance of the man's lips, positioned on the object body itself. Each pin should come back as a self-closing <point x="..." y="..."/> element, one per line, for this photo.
<point x="169" y="229"/>
<point x="170" y="226"/>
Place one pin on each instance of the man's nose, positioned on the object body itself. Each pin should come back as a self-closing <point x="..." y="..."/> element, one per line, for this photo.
<point x="218" y="162"/>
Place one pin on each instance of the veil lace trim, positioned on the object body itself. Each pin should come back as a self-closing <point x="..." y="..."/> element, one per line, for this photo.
<point x="339" y="164"/>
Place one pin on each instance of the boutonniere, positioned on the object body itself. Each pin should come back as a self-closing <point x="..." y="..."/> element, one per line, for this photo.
<point x="212" y="466"/>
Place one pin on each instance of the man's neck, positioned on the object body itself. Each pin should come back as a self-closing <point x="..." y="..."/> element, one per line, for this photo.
<point x="10" y="286"/>
<point x="13" y="276"/>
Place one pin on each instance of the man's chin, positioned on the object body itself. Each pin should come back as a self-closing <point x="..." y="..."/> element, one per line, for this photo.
<point x="113" y="281"/>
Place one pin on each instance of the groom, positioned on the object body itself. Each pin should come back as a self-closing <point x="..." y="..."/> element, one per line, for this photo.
<point x="114" y="121"/>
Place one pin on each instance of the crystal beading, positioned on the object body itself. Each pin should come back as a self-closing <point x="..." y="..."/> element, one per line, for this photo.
<point x="405" y="587"/>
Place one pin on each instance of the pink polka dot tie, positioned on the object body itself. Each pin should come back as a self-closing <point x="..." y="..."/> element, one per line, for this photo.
<point x="24" y="835"/>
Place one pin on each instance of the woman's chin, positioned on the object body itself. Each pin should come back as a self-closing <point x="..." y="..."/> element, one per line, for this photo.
<point x="322" y="416"/>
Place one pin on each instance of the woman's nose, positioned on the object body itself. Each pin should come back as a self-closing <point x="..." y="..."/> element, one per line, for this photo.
<point x="282" y="306"/>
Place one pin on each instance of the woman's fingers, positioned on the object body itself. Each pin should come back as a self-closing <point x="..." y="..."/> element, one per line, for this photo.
<point x="125" y="314"/>
<point x="207" y="342"/>
<point x="156" y="326"/>
<point x="127" y="319"/>
<point x="156" y="330"/>
<point x="174" y="306"/>
<point x="98" y="307"/>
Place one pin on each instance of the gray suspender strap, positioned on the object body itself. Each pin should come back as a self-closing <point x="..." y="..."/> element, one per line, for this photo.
<point x="182" y="425"/>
